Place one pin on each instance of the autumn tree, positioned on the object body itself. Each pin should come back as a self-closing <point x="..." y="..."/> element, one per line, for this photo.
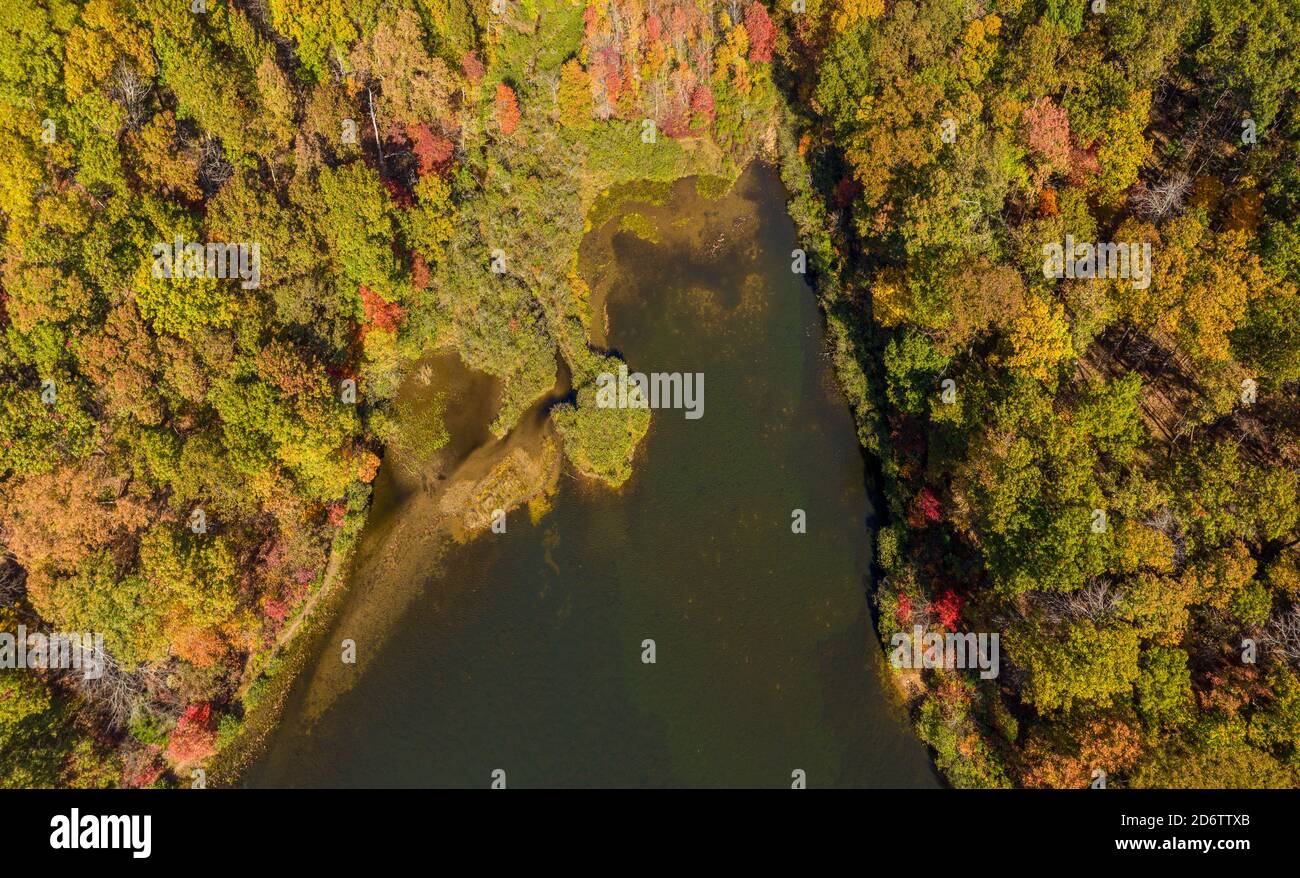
<point x="507" y="109"/>
<point x="574" y="95"/>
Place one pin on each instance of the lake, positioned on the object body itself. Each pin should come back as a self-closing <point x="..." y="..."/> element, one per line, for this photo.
<point x="522" y="652"/>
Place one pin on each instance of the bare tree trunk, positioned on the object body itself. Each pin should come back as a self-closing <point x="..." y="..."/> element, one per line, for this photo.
<point x="374" y="126"/>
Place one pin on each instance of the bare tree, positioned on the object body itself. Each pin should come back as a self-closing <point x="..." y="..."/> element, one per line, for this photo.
<point x="131" y="92"/>
<point x="214" y="170"/>
<point x="114" y="692"/>
<point x="1283" y="633"/>
<point x="1095" y="600"/>
<point x="552" y="83"/>
<point x="1163" y="520"/>
<point x="374" y="124"/>
<point x="1164" y="198"/>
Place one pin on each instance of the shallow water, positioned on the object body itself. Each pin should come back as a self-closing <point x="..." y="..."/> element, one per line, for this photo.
<point x="523" y="651"/>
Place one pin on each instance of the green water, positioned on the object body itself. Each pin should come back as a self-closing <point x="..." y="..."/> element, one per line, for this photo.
<point x="523" y="651"/>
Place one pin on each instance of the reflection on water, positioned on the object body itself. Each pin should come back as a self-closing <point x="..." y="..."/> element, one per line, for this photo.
<point x="523" y="651"/>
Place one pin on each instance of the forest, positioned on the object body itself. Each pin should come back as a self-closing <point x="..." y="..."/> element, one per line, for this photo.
<point x="1101" y="470"/>
<point x="1104" y="472"/>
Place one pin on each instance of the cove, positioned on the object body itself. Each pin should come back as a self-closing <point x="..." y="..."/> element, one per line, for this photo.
<point x="523" y="652"/>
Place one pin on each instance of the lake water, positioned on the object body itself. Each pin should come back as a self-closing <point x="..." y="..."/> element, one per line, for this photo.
<point x="523" y="651"/>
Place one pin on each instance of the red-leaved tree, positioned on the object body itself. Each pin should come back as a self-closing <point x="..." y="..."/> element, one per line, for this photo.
<point x="472" y="67"/>
<point x="194" y="738"/>
<point x="507" y="109"/>
<point x="927" y="508"/>
<point x="1046" y="131"/>
<point x="762" y="33"/>
<point x="702" y="101"/>
<point x="431" y="150"/>
<point x="947" y="609"/>
<point x="380" y="313"/>
<point x="275" y="609"/>
<point x="419" y="271"/>
<point x="903" y="609"/>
